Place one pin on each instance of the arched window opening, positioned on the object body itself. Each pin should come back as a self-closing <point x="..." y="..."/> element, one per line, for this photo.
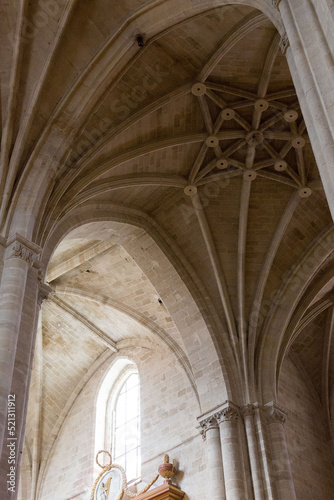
<point x="126" y="438"/>
<point x="118" y="417"/>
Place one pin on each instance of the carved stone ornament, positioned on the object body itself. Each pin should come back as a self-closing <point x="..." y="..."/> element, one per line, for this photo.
<point x="41" y="275"/>
<point x="228" y="414"/>
<point x="44" y="291"/>
<point x="207" y="424"/>
<point x="275" y="414"/>
<point x="248" y="410"/>
<point x="284" y="43"/>
<point x="23" y="249"/>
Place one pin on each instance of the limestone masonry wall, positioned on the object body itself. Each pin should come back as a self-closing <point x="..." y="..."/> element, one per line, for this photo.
<point x="169" y="409"/>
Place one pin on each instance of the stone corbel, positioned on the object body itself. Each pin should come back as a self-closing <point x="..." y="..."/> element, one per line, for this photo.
<point x="21" y="248"/>
<point x="44" y="290"/>
<point x="248" y="410"/>
<point x="275" y="414"/>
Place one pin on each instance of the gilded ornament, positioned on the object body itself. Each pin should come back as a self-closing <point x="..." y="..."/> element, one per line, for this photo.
<point x="111" y="484"/>
<point x="167" y="470"/>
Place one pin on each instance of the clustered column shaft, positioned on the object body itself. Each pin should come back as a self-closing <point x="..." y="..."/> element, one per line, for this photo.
<point x="231" y="451"/>
<point x="267" y="464"/>
<point x="253" y="449"/>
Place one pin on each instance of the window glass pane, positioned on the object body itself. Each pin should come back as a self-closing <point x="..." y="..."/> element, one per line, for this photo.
<point x="131" y="465"/>
<point x="132" y="381"/>
<point x="120" y="410"/>
<point x="120" y="441"/>
<point x="124" y="388"/>
<point x="132" y="404"/>
<point x="127" y="428"/>
<point x="132" y="434"/>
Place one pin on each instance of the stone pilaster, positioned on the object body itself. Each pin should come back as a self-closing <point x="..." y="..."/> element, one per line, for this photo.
<point x="211" y="436"/>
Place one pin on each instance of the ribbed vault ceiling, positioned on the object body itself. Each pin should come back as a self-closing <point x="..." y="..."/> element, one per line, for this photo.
<point x="199" y="133"/>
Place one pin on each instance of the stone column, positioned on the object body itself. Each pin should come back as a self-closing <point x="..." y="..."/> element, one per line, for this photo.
<point x="36" y="291"/>
<point x="308" y="51"/>
<point x="253" y="450"/>
<point x="211" y="435"/>
<point x="235" y="487"/>
<point x="276" y="417"/>
<point x="19" y="257"/>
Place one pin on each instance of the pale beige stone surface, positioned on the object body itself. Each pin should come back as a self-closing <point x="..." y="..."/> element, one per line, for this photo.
<point x="169" y="205"/>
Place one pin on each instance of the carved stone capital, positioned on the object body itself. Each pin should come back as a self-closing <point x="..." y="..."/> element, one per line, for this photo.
<point x="227" y="414"/>
<point x="276" y="4"/>
<point x="207" y="424"/>
<point x="284" y="43"/>
<point x="275" y="414"/>
<point x="21" y="248"/>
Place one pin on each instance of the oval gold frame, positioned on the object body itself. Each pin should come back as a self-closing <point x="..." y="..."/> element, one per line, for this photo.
<point x="107" y="468"/>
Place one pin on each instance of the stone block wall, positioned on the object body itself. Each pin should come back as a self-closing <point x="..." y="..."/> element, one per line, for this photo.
<point x="169" y="408"/>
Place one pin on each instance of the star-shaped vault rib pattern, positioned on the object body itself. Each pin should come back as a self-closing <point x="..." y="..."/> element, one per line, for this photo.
<point x="251" y="134"/>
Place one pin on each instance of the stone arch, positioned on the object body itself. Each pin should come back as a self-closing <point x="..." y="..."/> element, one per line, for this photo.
<point x="197" y="335"/>
<point x="284" y="305"/>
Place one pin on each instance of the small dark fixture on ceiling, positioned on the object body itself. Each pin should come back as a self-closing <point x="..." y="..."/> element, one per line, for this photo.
<point x="140" y="41"/>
